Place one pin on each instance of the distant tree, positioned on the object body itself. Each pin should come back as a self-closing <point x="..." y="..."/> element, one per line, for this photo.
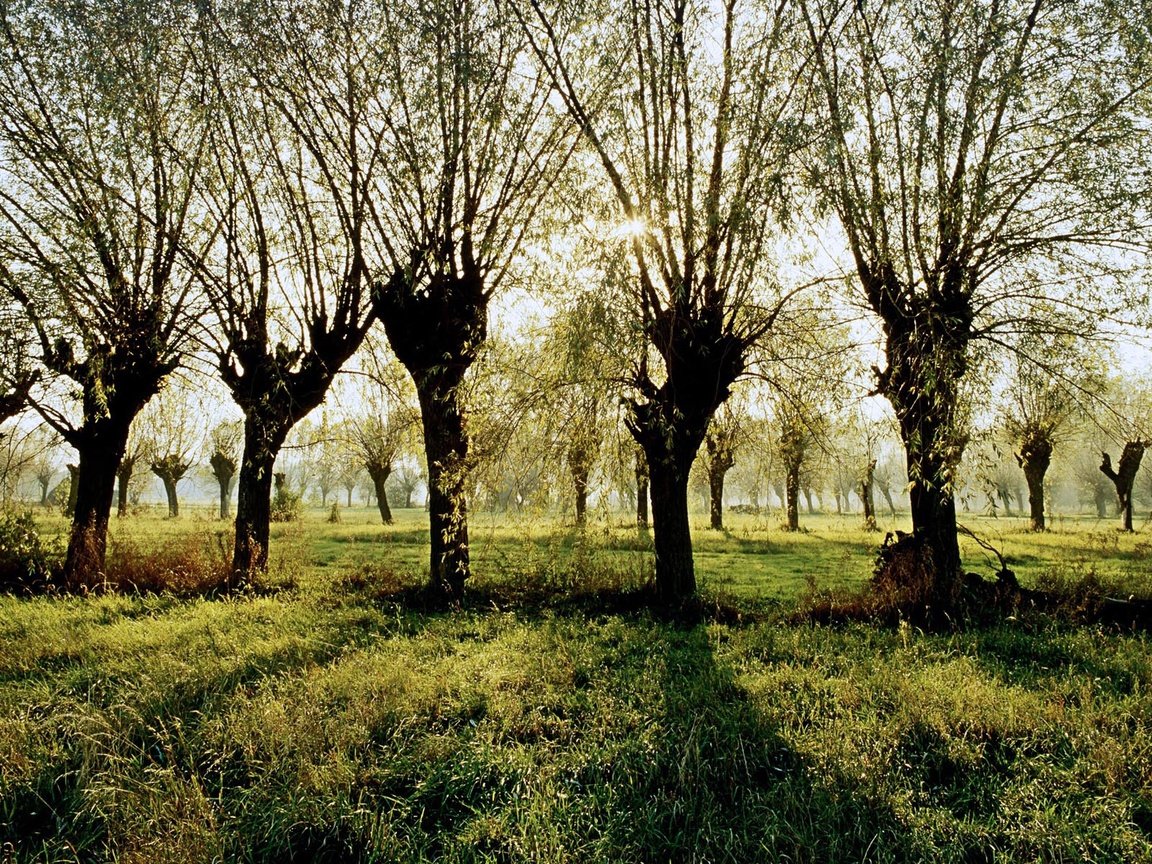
<point x="721" y="442"/>
<point x="1050" y="380"/>
<point x="1123" y="476"/>
<point x="101" y="151"/>
<point x="136" y="449"/>
<point x="224" y="444"/>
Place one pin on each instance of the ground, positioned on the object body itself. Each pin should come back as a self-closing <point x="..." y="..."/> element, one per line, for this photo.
<point x="317" y="719"/>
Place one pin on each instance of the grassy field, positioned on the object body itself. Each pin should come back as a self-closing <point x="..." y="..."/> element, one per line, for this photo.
<point x="323" y="722"/>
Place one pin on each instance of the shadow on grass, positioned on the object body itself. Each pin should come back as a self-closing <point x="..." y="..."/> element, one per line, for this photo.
<point x="723" y="783"/>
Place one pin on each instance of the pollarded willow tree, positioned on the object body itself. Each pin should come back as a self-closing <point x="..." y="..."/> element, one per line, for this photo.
<point x="474" y="150"/>
<point x="294" y="151"/>
<point x="101" y="146"/>
<point x="691" y="123"/>
<point x="983" y="159"/>
<point x="1051" y="380"/>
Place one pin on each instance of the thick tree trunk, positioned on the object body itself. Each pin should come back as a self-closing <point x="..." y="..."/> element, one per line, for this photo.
<point x="716" y="495"/>
<point x="123" y="478"/>
<point x="1034" y="457"/>
<point x="379" y="474"/>
<point x="672" y="536"/>
<point x="45" y="482"/>
<point x="926" y="348"/>
<point x="263" y="437"/>
<point x="349" y="490"/>
<point x="446" y="451"/>
<point x="93" y="482"/>
<point x="173" y="500"/>
<point x="792" y="496"/>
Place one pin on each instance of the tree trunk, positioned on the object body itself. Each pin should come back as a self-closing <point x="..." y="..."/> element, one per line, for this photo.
<point x="170" y="493"/>
<point x="170" y="469"/>
<point x="45" y="482"/>
<point x="349" y="490"/>
<point x="379" y="474"/>
<point x="672" y="536"/>
<point x="1034" y="457"/>
<point x="867" y="482"/>
<point x="446" y="451"/>
<point x="93" y="482"/>
<point x="123" y="478"/>
<point x="792" y="496"/>
<point x="73" y="487"/>
<point x="1125" y="477"/>
<point x="716" y="473"/>
<point x="887" y="493"/>
<point x="641" y="490"/>
<point x="580" y="487"/>
<point x="926" y="345"/>
<point x="263" y="437"/>
<point x="808" y="500"/>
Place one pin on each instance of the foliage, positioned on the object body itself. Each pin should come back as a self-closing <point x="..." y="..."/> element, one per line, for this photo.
<point x="26" y="562"/>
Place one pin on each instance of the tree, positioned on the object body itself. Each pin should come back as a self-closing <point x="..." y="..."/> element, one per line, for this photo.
<point x="171" y="430"/>
<point x="225" y="441"/>
<point x="982" y="162"/>
<point x="721" y="441"/>
<point x="101" y="146"/>
<point x="288" y="276"/>
<point x="475" y="149"/>
<point x="691" y="127"/>
<point x="136" y="448"/>
<point x="1050" y="379"/>
<point x="1123" y="477"/>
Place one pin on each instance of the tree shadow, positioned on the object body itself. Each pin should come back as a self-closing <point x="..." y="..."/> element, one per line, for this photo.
<point x="724" y="783"/>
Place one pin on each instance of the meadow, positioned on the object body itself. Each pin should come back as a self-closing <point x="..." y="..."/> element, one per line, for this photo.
<point x="318" y="717"/>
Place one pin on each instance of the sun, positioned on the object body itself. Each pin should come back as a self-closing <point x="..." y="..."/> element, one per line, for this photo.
<point x="631" y="228"/>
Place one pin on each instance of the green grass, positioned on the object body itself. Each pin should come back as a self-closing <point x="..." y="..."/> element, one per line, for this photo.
<point x="326" y="723"/>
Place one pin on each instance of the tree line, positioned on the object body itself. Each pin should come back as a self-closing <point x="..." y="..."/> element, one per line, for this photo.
<point x="263" y="185"/>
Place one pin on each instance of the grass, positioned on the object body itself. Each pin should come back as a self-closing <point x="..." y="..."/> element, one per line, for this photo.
<point x="327" y="723"/>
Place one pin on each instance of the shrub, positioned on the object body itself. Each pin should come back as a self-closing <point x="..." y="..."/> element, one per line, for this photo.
<point x="193" y="564"/>
<point x="25" y="562"/>
<point x="286" y="506"/>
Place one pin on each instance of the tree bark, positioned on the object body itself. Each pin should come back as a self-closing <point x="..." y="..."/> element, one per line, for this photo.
<point x="792" y="496"/>
<point x="379" y="474"/>
<point x="672" y="537"/>
<point x="446" y="451"/>
<point x="716" y="496"/>
<point x="1034" y="458"/>
<point x="263" y="438"/>
<point x="101" y="446"/>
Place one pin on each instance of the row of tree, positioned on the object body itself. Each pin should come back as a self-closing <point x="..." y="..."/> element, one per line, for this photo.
<point x="260" y="184"/>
